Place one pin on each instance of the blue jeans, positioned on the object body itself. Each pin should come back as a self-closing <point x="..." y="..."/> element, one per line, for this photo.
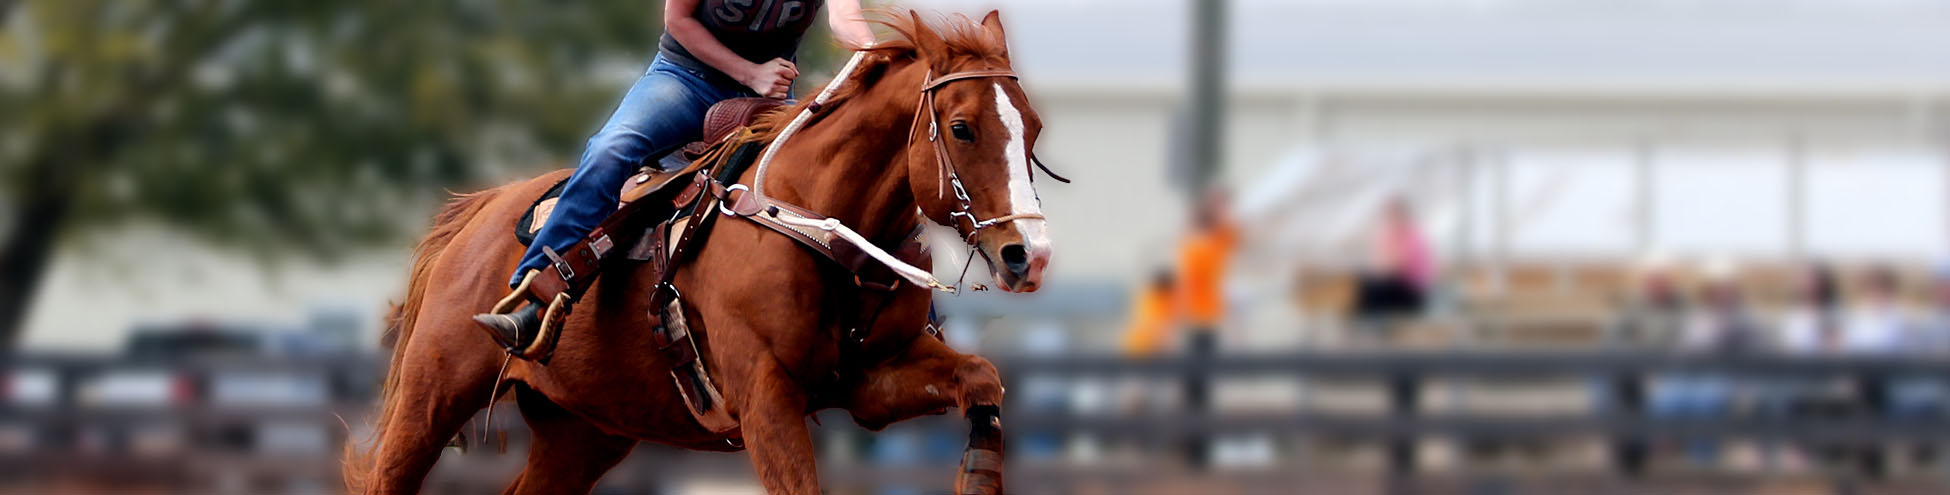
<point x="1693" y="397"/>
<point x="662" y="112"/>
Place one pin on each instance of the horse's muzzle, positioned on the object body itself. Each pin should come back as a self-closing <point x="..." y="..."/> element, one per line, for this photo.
<point x="1020" y="265"/>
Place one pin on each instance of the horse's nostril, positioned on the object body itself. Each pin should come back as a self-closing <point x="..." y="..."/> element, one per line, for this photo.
<point x="1016" y="257"/>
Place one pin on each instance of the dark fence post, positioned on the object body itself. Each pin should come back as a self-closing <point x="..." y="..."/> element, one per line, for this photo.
<point x="1405" y="404"/>
<point x="65" y="431"/>
<point x="1629" y="449"/>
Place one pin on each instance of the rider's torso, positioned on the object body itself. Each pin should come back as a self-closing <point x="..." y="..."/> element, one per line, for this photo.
<point x="758" y="30"/>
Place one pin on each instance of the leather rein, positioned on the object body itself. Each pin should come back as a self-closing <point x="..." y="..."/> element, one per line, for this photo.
<point x="828" y="236"/>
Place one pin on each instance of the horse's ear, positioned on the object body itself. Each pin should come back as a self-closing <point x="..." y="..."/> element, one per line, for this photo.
<point x="993" y="24"/>
<point x="926" y="41"/>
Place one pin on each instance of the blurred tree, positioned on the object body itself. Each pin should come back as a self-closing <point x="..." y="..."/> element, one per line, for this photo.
<point x="285" y="127"/>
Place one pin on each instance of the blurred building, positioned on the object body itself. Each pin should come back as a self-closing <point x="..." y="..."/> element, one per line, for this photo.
<point x="1553" y="142"/>
<point x="1719" y="96"/>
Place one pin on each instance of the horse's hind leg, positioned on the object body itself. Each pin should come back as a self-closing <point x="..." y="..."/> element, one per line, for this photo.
<point x="568" y="454"/>
<point x="442" y="383"/>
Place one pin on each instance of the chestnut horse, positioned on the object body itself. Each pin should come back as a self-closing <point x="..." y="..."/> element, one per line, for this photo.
<point x="771" y="309"/>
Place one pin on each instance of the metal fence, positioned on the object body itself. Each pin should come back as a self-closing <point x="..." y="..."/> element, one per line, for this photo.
<point x="259" y="424"/>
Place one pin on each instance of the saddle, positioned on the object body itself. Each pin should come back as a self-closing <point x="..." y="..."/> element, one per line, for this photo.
<point x="720" y="121"/>
<point x="726" y="117"/>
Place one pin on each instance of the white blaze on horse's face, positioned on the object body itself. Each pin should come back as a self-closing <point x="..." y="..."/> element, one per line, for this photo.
<point x="1022" y="193"/>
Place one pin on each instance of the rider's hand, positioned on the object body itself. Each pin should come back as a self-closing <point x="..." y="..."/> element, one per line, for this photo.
<point x="771" y="79"/>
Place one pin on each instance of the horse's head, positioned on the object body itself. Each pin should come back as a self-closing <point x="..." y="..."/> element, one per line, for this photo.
<point x="970" y="151"/>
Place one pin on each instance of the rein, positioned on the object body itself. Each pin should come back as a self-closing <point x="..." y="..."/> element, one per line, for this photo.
<point x="825" y="234"/>
<point x="817" y="231"/>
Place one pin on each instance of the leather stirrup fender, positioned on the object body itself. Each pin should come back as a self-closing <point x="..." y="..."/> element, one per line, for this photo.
<point x="694" y="384"/>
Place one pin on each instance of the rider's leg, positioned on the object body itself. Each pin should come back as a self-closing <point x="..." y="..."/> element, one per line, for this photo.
<point x="662" y="112"/>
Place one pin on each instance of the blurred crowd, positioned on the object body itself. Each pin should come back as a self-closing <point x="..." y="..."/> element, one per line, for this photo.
<point x="1715" y="307"/>
<point x="1870" y="313"/>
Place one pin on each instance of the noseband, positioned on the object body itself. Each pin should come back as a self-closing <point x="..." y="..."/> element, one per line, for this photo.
<point x="965" y="206"/>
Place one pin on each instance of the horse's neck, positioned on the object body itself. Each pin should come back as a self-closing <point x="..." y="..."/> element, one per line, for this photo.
<point x="852" y="165"/>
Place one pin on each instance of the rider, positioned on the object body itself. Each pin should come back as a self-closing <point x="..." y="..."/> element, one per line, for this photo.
<point x="711" y="50"/>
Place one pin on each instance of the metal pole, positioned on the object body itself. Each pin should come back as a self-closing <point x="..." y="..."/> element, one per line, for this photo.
<point x="1644" y="222"/>
<point x="1500" y="211"/>
<point x="1206" y="105"/>
<point x="1206" y="114"/>
<point x="1797" y="191"/>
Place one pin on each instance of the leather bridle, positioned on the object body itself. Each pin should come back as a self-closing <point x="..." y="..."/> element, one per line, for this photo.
<point x="833" y="239"/>
<point x="965" y="206"/>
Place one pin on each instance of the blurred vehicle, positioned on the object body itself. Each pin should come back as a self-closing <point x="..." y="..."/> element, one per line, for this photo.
<point x="258" y="407"/>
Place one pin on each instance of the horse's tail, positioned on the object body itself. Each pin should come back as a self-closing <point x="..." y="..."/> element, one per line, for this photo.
<point x="399" y="325"/>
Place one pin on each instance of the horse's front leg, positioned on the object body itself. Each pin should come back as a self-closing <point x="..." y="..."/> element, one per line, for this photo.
<point x="928" y="378"/>
<point x="773" y="421"/>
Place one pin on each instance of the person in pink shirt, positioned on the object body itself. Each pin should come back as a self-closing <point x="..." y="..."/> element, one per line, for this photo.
<point x="1402" y="273"/>
<point x="1405" y="251"/>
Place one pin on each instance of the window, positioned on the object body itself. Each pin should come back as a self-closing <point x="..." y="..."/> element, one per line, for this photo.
<point x="1881" y="203"/>
<point x="1720" y="202"/>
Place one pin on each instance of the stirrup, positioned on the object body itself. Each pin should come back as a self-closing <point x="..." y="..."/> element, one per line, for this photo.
<point x="510" y="330"/>
<point x="548" y="332"/>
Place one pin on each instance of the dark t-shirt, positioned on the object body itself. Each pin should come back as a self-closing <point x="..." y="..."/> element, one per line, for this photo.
<point x="758" y="30"/>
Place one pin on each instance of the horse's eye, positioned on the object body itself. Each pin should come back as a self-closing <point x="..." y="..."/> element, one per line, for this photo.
<point x="961" y="131"/>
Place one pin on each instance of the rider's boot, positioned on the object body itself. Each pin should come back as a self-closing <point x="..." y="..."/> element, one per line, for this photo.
<point x="508" y="328"/>
<point x="517" y="319"/>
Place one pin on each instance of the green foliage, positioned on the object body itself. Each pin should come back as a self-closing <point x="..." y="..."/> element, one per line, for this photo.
<point x="300" y="126"/>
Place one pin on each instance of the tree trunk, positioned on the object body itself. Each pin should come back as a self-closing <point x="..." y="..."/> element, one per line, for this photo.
<point x="29" y="243"/>
<point x="24" y="257"/>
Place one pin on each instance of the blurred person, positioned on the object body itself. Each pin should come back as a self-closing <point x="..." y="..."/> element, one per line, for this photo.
<point x="1886" y="324"/>
<point x="1655" y="307"/>
<point x="1403" y="269"/>
<point x="1652" y="313"/>
<point x="711" y="50"/>
<point x="1154" y="316"/>
<point x="1721" y="325"/>
<point x="1204" y="257"/>
<point x="1920" y="398"/>
<point x="1879" y="323"/>
<point x="1154" y="320"/>
<point x="1811" y="326"/>
<point x="1932" y="336"/>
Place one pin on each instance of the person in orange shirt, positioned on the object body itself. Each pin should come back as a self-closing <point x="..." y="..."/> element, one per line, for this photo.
<point x="1154" y="316"/>
<point x="1194" y="295"/>
<point x="1203" y="259"/>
